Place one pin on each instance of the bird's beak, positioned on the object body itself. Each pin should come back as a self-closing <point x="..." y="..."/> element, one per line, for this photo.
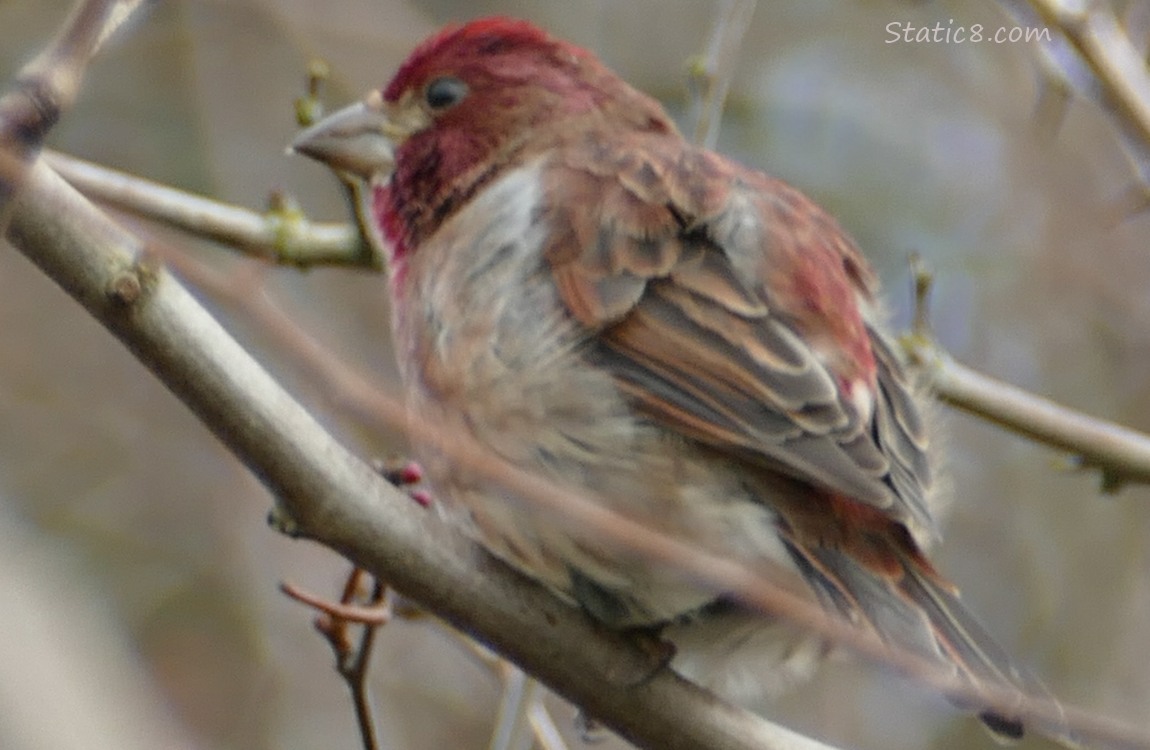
<point x="359" y="139"/>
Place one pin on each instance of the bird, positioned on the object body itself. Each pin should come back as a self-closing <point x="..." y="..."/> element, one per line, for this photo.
<point x="699" y="346"/>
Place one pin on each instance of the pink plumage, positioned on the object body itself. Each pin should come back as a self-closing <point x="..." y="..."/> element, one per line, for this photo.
<point x="589" y="296"/>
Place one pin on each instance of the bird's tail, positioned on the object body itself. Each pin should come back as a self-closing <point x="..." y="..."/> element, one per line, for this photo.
<point x="914" y="609"/>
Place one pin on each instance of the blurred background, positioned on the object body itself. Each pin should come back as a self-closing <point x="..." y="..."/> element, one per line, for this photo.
<point x="138" y="578"/>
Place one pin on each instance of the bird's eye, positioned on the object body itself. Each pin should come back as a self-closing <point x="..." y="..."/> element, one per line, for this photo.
<point x="444" y="92"/>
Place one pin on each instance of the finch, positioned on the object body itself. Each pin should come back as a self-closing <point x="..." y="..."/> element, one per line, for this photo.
<point x="595" y="300"/>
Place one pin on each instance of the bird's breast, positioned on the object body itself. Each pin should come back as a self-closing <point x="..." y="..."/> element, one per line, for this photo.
<point x="490" y="355"/>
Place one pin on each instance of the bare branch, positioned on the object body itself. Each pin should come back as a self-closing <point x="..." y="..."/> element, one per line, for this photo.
<point x="513" y="730"/>
<point x="1095" y="34"/>
<point x="710" y="74"/>
<point x="47" y="86"/>
<point x="326" y="494"/>
<point x="282" y="234"/>
<point x="309" y="108"/>
<point x="1121" y="454"/>
<point x="546" y="733"/>
<point x="352" y="661"/>
<point x="1092" y="56"/>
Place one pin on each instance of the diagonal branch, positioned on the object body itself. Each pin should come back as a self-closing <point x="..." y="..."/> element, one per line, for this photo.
<point x="1120" y="70"/>
<point x="326" y="494"/>
<point x="1100" y="58"/>
<point x="48" y="85"/>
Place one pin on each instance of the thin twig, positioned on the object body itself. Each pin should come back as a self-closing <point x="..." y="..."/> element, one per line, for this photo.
<point x="512" y="722"/>
<point x="1122" y="455"/>
<point x="343" y="611"/>
<point x="1121" y="71"/>
<point x="356" y="672"/>
<point x="546" y="733"/>
<point x="282" y="234"/>
<point x="309" y="108"/>
<point x="709" y="75"/>
<point x="46" y="87"/>
<point x="352" y="662"/>
<point x="1092" y="56"/>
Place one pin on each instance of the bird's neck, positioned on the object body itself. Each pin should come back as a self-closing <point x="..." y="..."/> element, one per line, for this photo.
<point x="427" y="189"/>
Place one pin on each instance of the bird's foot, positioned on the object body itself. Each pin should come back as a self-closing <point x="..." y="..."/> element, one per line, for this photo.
<point x="405" y="475"/>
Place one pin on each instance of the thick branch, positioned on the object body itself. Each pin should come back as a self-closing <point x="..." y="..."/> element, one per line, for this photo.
<point x="328" y="495"/>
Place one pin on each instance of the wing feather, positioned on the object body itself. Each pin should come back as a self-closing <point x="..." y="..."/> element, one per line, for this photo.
<point x="729" y="308"/>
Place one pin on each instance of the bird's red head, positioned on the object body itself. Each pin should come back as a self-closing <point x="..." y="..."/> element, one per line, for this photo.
<point x="478" y="98"/>
<point x="483" y="50"/>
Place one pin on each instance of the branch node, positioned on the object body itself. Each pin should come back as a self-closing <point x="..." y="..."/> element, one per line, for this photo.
<point x="309" y="108"/>
<point x="41" y="112"/>
<point x="923" y="284"/>
<point x="126" y="289"/>
<point x="286" y="218"/>
<point x="1113" y="481"/>
<point x="131" y="284"/>
<point x="280" y="520"/>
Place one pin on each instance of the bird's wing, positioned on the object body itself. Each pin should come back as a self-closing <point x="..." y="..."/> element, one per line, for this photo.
<point x="729" y="308"/>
